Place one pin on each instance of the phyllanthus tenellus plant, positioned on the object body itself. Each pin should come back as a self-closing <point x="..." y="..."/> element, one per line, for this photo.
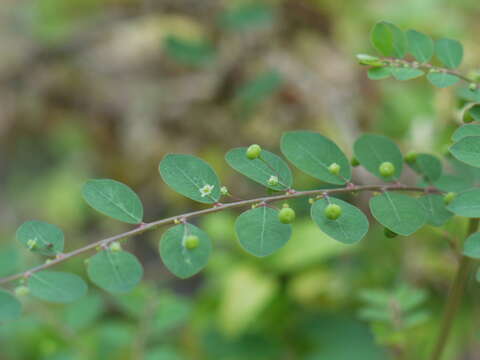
<point x="265" y="226"/>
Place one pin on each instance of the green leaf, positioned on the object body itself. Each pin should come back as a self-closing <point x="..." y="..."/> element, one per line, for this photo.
<point x="191" y="177"/>
<point x="449" y="52"/>
<point x="467" y="94"/>
<point x="113" y="199"/>
<point x="442" y="79"/>
<point x="452" y="183"/>
<point x="10" y="307"/>
<point x="260" y="232"/>
<point x="467" y="150"/>
<point x="349" y="228"/>
<point x="406" y="73"/>
<point x="466" y="130"/>
<point x="260" y="170"/>
<point x="435" y="209"/>
<point x="388" y="39"/>
<point x="379" y="73"/>
<point x="427" y="165"/>
<point x="313" y="154"/>
<point x="247" y="16"/>
<point x="466" y="204"/>
<point x="41" y="237"/>
<point x="57" y="287"/>
<point x="471" y="247"/>
<point x="474" y="112"/>
<point x="117" y="272"/>
<point x="372" y="150"/>
<point x="181" y="261"/>
<point x="398" y="212"/>
<point x="188" y="52"/>
<point x="420" y="45"/>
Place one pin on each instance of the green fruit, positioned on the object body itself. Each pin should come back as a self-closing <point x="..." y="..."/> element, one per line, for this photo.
<point x="449" y="197"/>
<point x="286" y="215"/>
<point x="253" y="151"/>
<point x="22" y="290"/>
<point x="333" y="211"/>
<point x="389" y="233"/>
<point x="354" y="161"/>
<point x="411" y="157"/>
<point x="191" y="242"/>
<point x="386" y="169"/>
<point x="334" y="169"/>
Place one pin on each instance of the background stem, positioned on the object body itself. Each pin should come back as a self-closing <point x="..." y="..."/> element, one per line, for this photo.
<point x="454" y="298"/>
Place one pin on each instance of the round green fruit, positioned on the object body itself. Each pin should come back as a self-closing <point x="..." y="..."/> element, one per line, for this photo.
<point x="253" y="151"/>
<point x="333" y="211"/>
<point x="286" y="215"/>
<point x="334" y="169"/>
<point x="449" y="197"/>
<point x="410" y="157"/>
<point x="191" y="242"/>
<point x="386" y="169"/>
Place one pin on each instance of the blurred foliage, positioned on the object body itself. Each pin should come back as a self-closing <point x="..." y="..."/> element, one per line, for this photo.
<point x="104" y="88"/>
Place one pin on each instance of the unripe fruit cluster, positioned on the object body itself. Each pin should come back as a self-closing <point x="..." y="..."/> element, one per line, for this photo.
<point x="286" y="215"/>
<point x="333" y="211"/>
<point x="386" y="169"/>
<point x="253" y="151"/>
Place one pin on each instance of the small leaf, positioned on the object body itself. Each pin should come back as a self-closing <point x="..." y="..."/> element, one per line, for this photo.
<point x="467" y="94"/>
<point x="442" y="79"/>
<point x="379" y="73"/>
<point x="181" y="261"/>
<point x="452" y="183"/>
<point x="435" y="209"/>
<point x="246" y="16"/>
<point x="313" y="154"/>
<point x="406" y="73"/>
<point x="466" y="204"/>
<point x="113" y="199"/>
<point x="260" y="232"/>
<point x="117" y="272"/>
<point x="190" y="176"/>
<point x="471" y="247"/>
<point x="260" y="170"/>
<point x="467" y="150"/>
<point x="466" y="130"/>
<point x="427" y="165"/>
<point x="41" y="237"/>
<point x="349" y="228"/>
<point x="449" y="52"/>
<point x="388" y="39"/>
<point x="420" y="45"/>
<point x="372" y="150"/>
<point x="188" y="52"/>
<point x="398" y="212"/>
<point x="57" y="287"/>
<point x="10" y="307"/>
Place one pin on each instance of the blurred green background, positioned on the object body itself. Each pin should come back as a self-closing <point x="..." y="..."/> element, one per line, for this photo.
<point x="104" y="88"/>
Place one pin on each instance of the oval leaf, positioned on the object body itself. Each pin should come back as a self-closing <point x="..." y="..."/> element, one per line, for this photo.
<point x="115" y="271"/>
<point x="466" y="204"/>
<point x="388" y="39"/>
<point x="181" y="261"/>
<point x="313" y="154"/>
<point x="467" y="150"/>
<point x="190" y="176"/>
<point x="261" y="170"/>
<point x="466" y="130"/>
<point x="442" y="79"/>
<point x="471" y="247"/>
<point x="449" y="52"/>
<point x="420" y="45"/>
<point x="398" y="212"/>
<point x="260" y="232"/>
<point x="406" y="73"/>
<point x="10" y="307"/>
<point x="435" y="209"/>
<point x="113" y="199"/>
<point x="427" y="165"/>
<point x="349" y="228"/>
<point x="452" y="183"/>
<point x="41" y="237"/>
<point x="379" y="73"/>
<point x="372" y="150"/>
<point x="57" y="287"/>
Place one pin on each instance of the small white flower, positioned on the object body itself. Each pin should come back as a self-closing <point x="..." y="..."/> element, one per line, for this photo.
<point x="206" y="190"/>
<point x="224" y="190"/>
<point x="32" y="243"/>
<point x="273" y="180"/>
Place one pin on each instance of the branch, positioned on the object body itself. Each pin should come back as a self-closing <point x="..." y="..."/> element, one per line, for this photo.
<point x="218" y="207"/>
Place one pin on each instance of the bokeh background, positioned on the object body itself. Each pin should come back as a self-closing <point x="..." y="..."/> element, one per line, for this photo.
<point x="104" y="88"/>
